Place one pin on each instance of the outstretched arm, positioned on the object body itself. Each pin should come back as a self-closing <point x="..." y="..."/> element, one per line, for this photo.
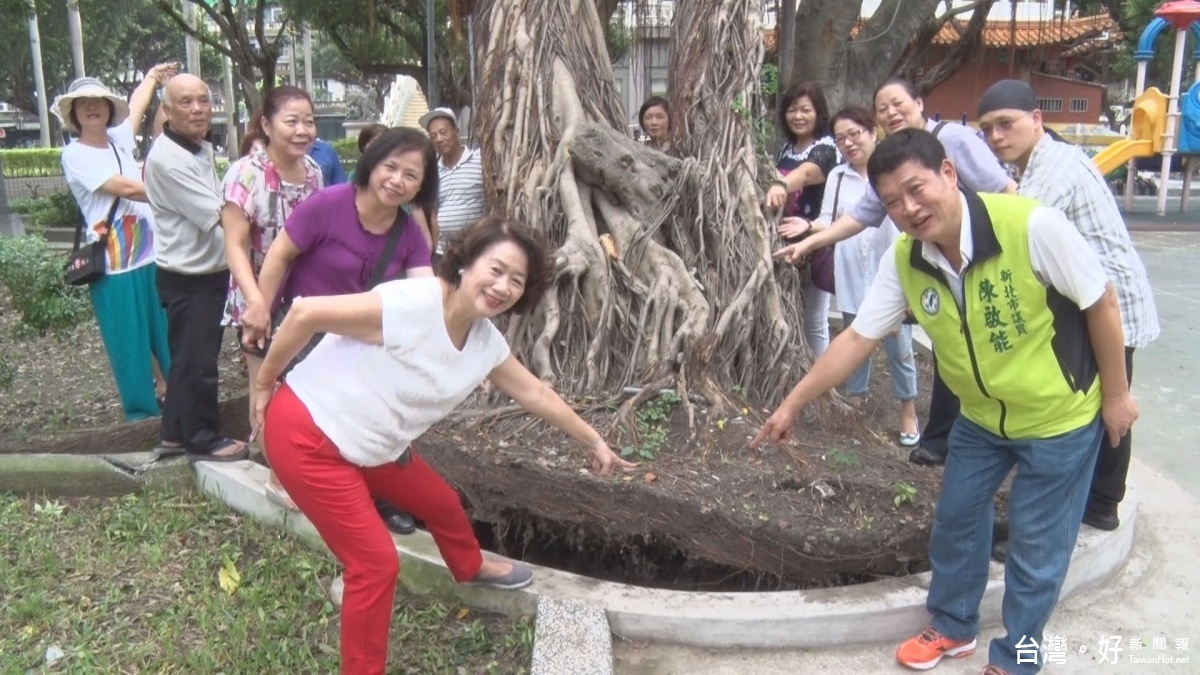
<point x="845" y="354"/>
<point x="537" y="397"/>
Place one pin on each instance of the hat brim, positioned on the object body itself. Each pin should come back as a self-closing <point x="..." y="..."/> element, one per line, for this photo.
<point x="433" y="115"/>
<point x="62" y="106"/>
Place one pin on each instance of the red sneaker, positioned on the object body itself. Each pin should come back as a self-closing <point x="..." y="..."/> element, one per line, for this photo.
<point x="927" y="649"/>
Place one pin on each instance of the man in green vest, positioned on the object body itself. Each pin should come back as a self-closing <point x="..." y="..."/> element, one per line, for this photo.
<point x="1028" y="336"/>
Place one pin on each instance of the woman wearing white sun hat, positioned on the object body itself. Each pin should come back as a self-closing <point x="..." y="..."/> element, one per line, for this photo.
<point x="104" y="178"/>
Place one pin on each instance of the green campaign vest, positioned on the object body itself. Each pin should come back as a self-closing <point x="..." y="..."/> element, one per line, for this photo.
<point x="1018" y="357"/>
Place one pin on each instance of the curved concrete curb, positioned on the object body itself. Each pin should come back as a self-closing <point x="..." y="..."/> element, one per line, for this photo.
<point x="90" y="475"/>
<point x="887" y="610"/>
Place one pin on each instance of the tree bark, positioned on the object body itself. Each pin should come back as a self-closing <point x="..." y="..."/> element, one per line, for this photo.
<point x="692" y="298"/>
<point x="850" y="69"/>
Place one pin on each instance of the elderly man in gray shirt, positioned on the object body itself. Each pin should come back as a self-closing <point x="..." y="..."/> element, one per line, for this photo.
<point x="193" y="276"/>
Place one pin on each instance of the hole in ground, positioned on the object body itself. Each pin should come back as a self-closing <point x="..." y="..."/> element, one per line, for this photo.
<point x="641" y="560"/>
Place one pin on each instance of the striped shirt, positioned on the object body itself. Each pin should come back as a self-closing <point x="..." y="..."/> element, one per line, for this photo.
<point x="1061" y="176"/>
<point x="460" y="194"/>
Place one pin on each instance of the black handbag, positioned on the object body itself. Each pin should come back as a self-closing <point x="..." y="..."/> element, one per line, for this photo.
<point x="86" y="263"/>
<point x="381" y="265"/>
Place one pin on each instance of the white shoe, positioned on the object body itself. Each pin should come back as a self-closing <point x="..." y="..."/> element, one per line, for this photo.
<point x="911" y="440"/>
<point x="336" y="589"/>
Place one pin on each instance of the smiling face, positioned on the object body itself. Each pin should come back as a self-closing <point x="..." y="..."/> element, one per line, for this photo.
<point x="293" y="128"/>
<point x="495" y="281"/>
<point x="93" y="113"/>
<point x="896" y="110"/>
<point x="802" y="118"/>
<point x="1011" y="134"/>
<point x="855" y="141"/>
<point x="922" y="202"/>
<point x="397" y="179"/>
<point x="656" y="123"/>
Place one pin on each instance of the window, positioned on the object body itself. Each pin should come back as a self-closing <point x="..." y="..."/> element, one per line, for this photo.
<point x="1050" y="104"/>
<point x="1079" y="105"/>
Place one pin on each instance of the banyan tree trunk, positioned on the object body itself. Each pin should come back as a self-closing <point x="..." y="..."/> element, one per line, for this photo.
<point x="691" y="299"/>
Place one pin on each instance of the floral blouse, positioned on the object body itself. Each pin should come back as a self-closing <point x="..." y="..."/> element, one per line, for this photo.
<point x="253" y="184"/>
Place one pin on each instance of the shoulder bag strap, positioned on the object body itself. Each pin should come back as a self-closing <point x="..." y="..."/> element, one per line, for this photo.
<point x="837" y="194"/>
<point x="938" y="129"/>
<point x="389" y="249"/>
<point x="112" y="211"/>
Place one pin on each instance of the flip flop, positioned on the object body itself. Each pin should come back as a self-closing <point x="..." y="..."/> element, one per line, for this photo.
<point x="212" y="456"/>
<point x="166" y="450"/>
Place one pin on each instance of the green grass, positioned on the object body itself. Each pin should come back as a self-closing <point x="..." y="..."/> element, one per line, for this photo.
<point x="134" y="585"/>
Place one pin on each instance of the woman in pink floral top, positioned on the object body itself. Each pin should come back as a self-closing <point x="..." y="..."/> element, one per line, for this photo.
<point x="261" y="189"/>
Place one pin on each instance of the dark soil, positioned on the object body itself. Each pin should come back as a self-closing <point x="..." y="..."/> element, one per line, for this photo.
<point x="838" y="505"/>
<point x="715" y="515"/>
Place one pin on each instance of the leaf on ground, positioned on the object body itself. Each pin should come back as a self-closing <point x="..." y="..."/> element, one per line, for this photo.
<point x="229" y="578"/>
<point x="462" y="613"/>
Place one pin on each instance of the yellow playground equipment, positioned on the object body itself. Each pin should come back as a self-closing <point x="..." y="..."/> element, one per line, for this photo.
<point x="1145" y="133"/>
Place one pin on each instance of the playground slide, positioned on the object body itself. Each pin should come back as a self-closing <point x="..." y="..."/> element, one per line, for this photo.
<point x="1117" y="154"/>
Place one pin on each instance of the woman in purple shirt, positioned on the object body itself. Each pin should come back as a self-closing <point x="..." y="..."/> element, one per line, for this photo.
<point x="332" y="242"/>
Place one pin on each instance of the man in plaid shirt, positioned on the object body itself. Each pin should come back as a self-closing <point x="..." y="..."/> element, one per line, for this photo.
<point x="1060" y="175"/>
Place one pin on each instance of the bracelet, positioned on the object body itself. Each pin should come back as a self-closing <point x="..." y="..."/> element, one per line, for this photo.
<point x="780" y="182"/>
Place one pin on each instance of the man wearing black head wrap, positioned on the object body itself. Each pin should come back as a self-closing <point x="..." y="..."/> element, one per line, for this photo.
<point x="1061" y="176"/>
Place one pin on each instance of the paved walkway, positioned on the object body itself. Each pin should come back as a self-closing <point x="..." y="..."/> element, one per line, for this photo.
<point x="1157" y="595"/>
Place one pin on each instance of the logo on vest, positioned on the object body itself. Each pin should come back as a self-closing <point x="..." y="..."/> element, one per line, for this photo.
<point x="930" y="302"/>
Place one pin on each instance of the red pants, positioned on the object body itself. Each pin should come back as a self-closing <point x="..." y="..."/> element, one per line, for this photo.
<point x="338" y="497"/>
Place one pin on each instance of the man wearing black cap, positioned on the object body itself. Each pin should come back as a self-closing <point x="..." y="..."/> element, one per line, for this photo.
<point x="1059" y="175"/>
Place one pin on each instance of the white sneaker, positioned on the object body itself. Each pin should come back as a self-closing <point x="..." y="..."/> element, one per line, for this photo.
<point x="335" y="590"/>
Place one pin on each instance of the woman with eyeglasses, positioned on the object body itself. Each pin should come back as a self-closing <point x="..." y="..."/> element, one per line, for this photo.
<point x="857" y="259"/>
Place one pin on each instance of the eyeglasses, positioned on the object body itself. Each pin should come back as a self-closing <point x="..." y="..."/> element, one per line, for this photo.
<point x="850" y="137"/>
<point x="1003" y="126"/>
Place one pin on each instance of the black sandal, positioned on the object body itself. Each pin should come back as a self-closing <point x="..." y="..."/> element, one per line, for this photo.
<point x="212" y="456"/>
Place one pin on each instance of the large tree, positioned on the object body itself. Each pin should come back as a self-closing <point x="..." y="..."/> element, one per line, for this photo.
<point x="122" y="39"/>
<point x="850" y="56"/>
<point x="243" y="33"/>
<point x="665" y="276"/>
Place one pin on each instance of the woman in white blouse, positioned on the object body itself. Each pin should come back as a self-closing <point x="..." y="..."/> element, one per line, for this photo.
<point x="856" y="259"/>
<point x="394" y="361"/>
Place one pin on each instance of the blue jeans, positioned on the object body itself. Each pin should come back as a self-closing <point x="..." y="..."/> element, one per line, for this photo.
<point x="900" y="364"/>
<point x="1045" y="508"/>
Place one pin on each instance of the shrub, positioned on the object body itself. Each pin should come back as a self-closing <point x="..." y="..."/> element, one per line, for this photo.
<point x="31" y="162"/>
<point x="32" y="273"/>
<point x="57" y="210"/>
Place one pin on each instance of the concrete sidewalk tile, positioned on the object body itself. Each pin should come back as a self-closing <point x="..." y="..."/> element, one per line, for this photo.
<point x="571" y="637"/>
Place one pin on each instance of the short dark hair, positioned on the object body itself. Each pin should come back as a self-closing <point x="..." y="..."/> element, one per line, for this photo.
<point x="902" y="147"/>
<point x="908" y="87"/>
<point x="653" y="101"/>
<point x="112" y="115"/>
<point x="813" y="92"/>
<point x="856" y="114"/>
<point x="399" y="140"/>
<point x="368" y="134"/>
<point x="485" y="233"/>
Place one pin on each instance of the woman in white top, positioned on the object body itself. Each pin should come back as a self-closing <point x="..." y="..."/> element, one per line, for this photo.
<point x="856" y="259"/>
<point x="394" y="361"/>
<point x="107" y="184"/>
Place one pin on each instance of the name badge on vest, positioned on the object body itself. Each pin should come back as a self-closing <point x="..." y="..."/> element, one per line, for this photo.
<point x="930" y="301"/>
